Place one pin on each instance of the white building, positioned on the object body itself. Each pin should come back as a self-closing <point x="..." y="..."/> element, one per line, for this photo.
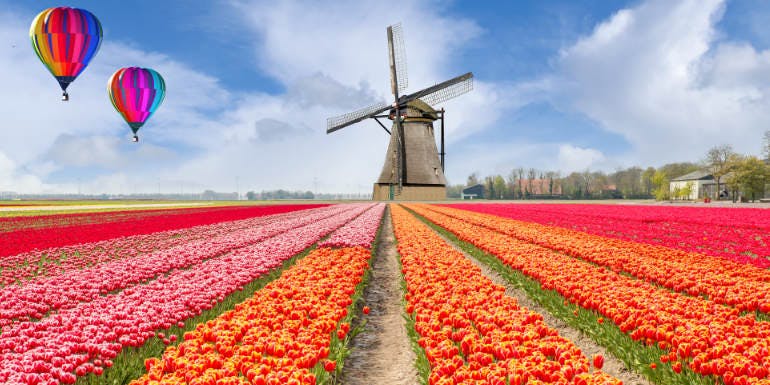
<point x="700" y="183"/>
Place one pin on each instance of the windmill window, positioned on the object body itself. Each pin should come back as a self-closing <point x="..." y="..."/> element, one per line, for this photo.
<point x="435" y="171"/>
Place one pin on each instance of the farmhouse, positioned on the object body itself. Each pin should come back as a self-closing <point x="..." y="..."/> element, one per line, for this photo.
<point x="695" y="185"/>
<point x="473" y="192"/>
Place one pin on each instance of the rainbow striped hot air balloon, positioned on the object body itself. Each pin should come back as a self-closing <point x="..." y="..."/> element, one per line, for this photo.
<point x="65" y="39"/>
<point x="136" y="93"/>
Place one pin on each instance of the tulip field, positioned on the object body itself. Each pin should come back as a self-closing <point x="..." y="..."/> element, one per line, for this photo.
<point x="273" y="294"/>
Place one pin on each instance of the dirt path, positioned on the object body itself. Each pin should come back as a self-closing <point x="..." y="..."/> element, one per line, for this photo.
<point x="612" y="365"/>
<point x="381" y="354"/>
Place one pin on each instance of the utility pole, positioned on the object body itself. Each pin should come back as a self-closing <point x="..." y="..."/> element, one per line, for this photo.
<point x="237" y="188"/>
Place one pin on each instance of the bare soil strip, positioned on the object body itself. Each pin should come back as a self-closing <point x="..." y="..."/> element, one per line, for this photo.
<point x="382" y="353"/>
<point x="612" y="365"/>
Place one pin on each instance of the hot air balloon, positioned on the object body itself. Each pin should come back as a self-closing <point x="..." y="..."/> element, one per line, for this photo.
<point x="136" y="93"/>
<point x="65" y="39"/>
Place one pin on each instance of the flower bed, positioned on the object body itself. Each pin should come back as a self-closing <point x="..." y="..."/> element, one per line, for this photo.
<point x="469" y="329"/>
<point x="741" y="235"/>
<point x="709" y="338"/>
<point x="745" y="287"/>
<point x="75" y="341"/>
<point x="279" y="336"/>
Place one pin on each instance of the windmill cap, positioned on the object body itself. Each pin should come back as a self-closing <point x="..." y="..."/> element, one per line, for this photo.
<point x="419" y="111"/>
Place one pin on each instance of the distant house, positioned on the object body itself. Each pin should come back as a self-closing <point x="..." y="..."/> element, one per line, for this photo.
<point x="473" y="192"/>
<point x="699" y="184"/>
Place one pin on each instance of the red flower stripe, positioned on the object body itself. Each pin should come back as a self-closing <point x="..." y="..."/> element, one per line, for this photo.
<point x="26" y="222"/>
<point x="470" y="329"/>
<point x="359" y="232"/>
<point x="747" y="288"/>
<point x="741" y="235"/>
<point x="74" y="341"/>
<point x="275" y="337"/>
<point x="48" y="262"/>
<point x="58" y="292"/>
<point x="16" y="242"/>
<point x="710" y="338"/>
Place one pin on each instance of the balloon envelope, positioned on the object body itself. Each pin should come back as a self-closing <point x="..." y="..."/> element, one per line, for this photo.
<point x="65" y="39"/>
<point x="136" y="93"/>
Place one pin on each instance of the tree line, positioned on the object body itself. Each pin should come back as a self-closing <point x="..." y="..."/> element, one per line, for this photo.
<point x="747" y="174"/>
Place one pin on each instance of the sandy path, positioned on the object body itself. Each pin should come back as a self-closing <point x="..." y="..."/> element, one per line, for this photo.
<point x="382" y="354"/>
<point x="97" y="207"/>
<point x="612" y="365"/>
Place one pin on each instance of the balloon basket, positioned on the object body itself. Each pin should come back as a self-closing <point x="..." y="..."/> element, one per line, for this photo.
<point x="65" y="97"/>
<point x="135" y="139"/>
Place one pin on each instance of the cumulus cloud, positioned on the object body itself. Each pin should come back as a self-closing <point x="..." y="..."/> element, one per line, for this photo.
<point x="659" y="75"/>
<point x="573" y="158"/>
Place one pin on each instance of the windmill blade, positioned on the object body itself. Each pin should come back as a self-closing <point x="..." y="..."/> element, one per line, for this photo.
<point x="337" y="122"/>
<point x="443" y="91"/>
<point x="397" y="56"/>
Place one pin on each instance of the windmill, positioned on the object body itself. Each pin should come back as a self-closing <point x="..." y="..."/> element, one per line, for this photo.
<point x="412" y="168"/>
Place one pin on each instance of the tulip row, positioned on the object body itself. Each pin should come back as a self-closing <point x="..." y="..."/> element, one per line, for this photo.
<point x="37" y="221"/>
<point x="36" y="298"/>
<point x="276" y="337"/>
<point x="740" y="235"/>
<point x="710" y="338"/>
<point x="745" y="287"/>
<point x="52" y="261"/>
<point x="470" y="330"/>
<point x="77" y="340"/>
<point x="15" y="242"/>
<point x="359" y="232"/>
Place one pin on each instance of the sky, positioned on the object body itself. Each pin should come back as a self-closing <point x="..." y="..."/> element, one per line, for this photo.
<point x="567" y="85"/>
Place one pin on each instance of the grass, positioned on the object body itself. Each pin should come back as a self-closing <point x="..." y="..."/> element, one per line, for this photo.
<point x="635" y="355"/>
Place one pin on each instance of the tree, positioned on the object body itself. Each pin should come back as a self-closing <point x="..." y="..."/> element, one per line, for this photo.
<point x="660" y="185"/>
<point x="751" y="174"/>
<point x="473" y="179"/>
<point x="251" y="195"/>
<point x="531" y="174"/>
<point x="717" y="159"/>
<point x="512" y="184"/>
<point x="489" y="185"/>
<point x="499" y="185"/>
<point x="686" y="191"/>
<point x="674" y="170"/>
<point x="647" y="176"/>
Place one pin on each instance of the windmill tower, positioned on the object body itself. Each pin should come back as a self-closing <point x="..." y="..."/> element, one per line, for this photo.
<point x="412" y="168"/>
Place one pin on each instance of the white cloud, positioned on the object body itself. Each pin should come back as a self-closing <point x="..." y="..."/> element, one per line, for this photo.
<point x="659" y="75"/>
<point x="572" y="158"/>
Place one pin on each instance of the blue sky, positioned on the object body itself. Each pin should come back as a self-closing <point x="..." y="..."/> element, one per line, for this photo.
<point x="560" y="85"/>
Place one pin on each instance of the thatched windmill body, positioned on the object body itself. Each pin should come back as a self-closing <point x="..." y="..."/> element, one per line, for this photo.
<point x="413" y="169"/>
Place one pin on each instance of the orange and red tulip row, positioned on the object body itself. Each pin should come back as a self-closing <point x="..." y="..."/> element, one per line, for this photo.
<point x="275" y="337"/>
<point x="746" y="287"/>
<point x="710" y="338"/>
<point x="472" y="333"/>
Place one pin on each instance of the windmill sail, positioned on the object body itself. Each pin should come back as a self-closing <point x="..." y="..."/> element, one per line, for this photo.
<point x="443" y="91"/>
<point x="344" y="120"/>
<point x="397" y="56"/>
